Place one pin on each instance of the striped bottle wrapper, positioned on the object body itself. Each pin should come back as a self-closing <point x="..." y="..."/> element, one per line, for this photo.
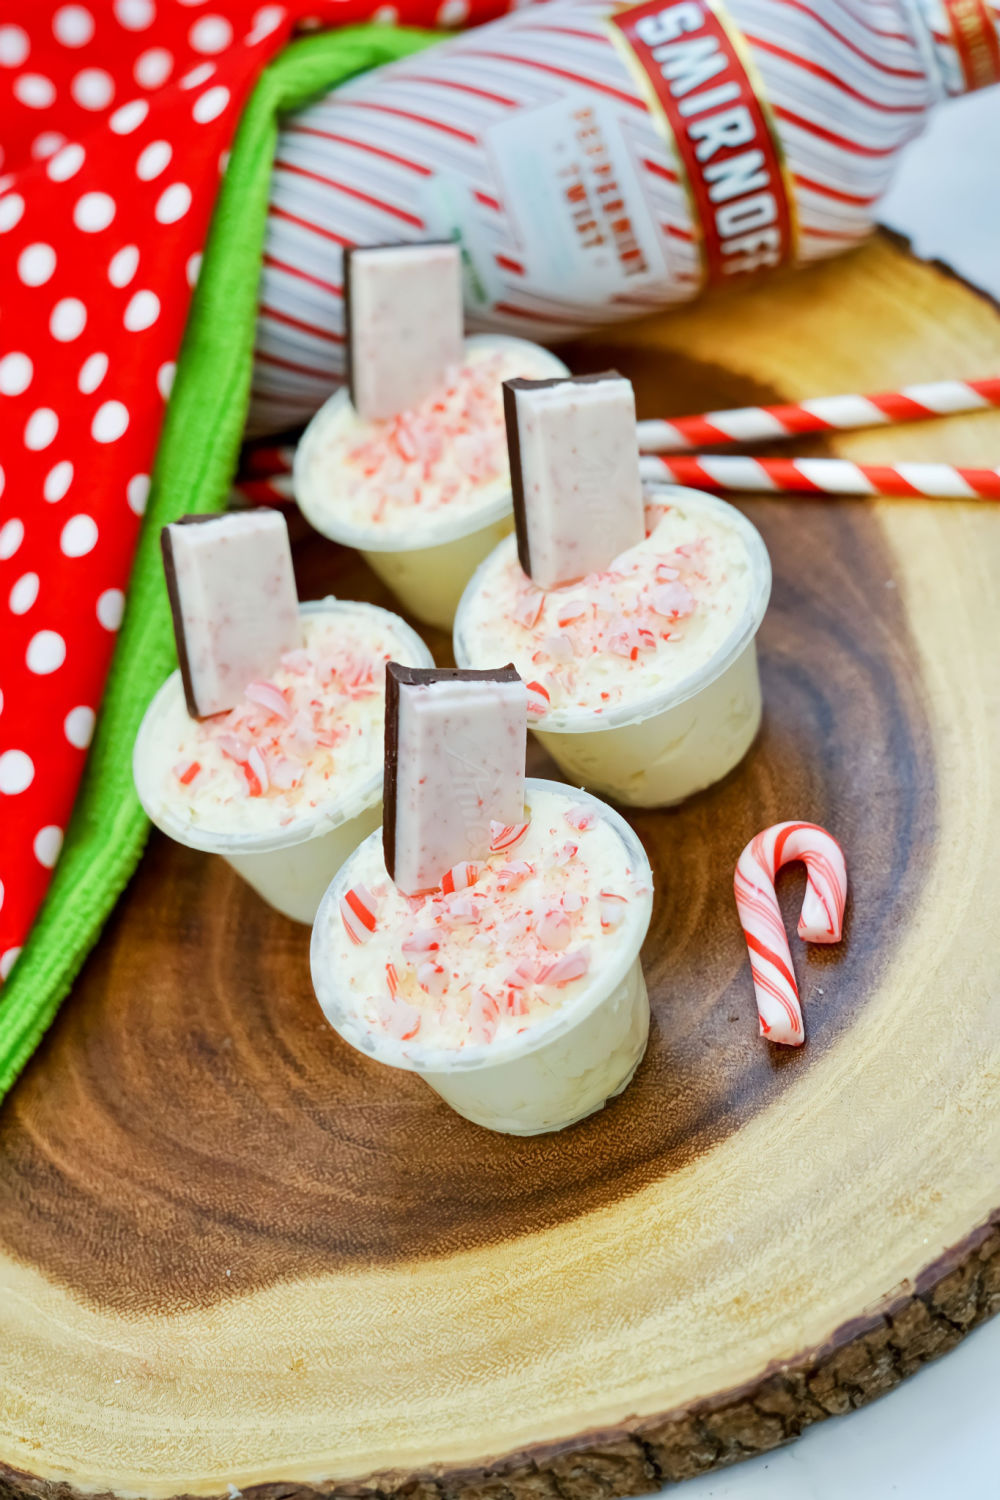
<point x="598" y="161"/>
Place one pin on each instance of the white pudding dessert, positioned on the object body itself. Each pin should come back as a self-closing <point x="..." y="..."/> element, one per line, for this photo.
<point x="425" y="495"/>
<point x="642" y="679"/>
<point x="515" y="988"/>
<point x="286" y="783"/>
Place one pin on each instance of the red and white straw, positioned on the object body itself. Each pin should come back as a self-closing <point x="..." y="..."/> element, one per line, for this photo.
<point x="750" y="424"/>
<point x="266" y="475"/>
<point x="821" y="476"/>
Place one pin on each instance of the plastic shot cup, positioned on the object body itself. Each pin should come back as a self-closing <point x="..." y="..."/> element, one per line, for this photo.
<point x="425" y="558"/>
<point x="564" y="1066"/>
<point x="289" y="866"/>
<point x="657" y="750"/>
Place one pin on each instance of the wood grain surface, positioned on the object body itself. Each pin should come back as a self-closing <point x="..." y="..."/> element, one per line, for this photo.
<point x="235" y="1252"/>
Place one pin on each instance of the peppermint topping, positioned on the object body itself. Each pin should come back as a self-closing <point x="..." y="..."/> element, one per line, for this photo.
<point x="293" y="742"/>
<point x="445" y="451"/>
<point x="500" y="944"/>
<point x="660" y="610"/>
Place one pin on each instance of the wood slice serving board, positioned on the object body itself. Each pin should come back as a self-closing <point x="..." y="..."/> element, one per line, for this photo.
<point x="235" y="1253"/>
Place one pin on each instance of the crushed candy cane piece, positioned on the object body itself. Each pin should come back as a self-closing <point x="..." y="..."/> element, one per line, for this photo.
<point x="554" y="931"/>
<point x="516" y="1003"/>
<point x="433" y="978"/>
<point x="571" y="611"/>
<point x="484" y="1014"/>
<point x="252" y="779"/>
<point x="402" y="1020"/>
<point x="268" y="695"/>
<point x="259" y="767"/>
<point x="612" y="909"/>
<point x="558" y="646"/>
<point x="424" y="939"/>
<point x="539" y="698"/>
<point x="233" y="746"/>
<point x="392" y="980"/>
<point x="529" y="607"/>
<point x="580" y="816"/>
<point x="522" y="975"/>
<point x="504" y="836"/>
<point x="357" y="911"/>
<point x="460" y="913"/>
<point x="673" y="600"/>
<point x="571" y="966"/>
<point x="509" y="877"/>
<point x="460" y="876"/>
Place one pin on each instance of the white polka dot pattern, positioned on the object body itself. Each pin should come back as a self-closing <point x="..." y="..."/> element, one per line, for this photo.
<point x="68" y="320"/>
<point x="16" y="371"/>
<point x="35" y="264"/>
<point x="24" y="593"/>
<point x="110" y="607"/>
<point x="66" y="162"/>
<point x="153" y="160"/>
<point x="118" y="117"/>
<point x="14" y="46"/>
<point x="94" y="212"/>
<point x="153" y="68"/>
<point x="129" y="117"/>
<point x="123" y="265"/>
<point x="110" y="421"/>
<point x="142" y="311"/>
<point x="58" y="481"/>
<point x="78" y="536"/>
<point x="93" y="88"/>
<point x="47" y="844"/>
<point x="92" y="372"/>
<point x="137" y="492"/>
<point x="46" y="652"/>
<point x="34" y="90"/>
<point x="79" y="727"/>
<point x="73" y="26"/>
<point x="16" y="772"/>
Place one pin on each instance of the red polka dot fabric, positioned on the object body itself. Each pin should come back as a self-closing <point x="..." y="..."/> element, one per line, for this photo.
<point x="117" y="117"/>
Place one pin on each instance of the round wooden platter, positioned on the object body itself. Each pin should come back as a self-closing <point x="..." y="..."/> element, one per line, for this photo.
<point x="235" y="1253"/>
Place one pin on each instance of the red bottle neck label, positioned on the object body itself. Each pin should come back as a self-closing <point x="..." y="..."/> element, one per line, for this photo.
<point x="701" y="86"/>
<point x="974" y="36"/>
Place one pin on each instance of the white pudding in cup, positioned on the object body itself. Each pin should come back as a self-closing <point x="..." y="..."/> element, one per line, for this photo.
<point x="286" y="784"/>
<point x="426" y="495"/>
<point x="518" y="997"/>
<point x="643" y="679"/>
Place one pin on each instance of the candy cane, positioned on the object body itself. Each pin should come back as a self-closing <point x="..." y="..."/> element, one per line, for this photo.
<point x="821" y="919"/>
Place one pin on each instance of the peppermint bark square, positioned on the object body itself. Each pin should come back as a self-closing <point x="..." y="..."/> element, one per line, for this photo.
<point x="403" y="316"/>
<point x="574" y="468"/>
<point x="454" y="763"/>
<point x="233" y="601"/>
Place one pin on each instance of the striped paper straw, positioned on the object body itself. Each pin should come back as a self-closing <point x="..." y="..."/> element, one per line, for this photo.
<point x="748" y="424"/>
<point x="266" y="475"/>
<point x="822" y="476"/>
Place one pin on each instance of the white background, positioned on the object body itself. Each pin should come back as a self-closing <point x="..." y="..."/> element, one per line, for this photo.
<point x="937" y="1437"/>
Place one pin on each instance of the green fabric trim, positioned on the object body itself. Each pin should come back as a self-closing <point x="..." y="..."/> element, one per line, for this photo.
<point x="195" y="463"/>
